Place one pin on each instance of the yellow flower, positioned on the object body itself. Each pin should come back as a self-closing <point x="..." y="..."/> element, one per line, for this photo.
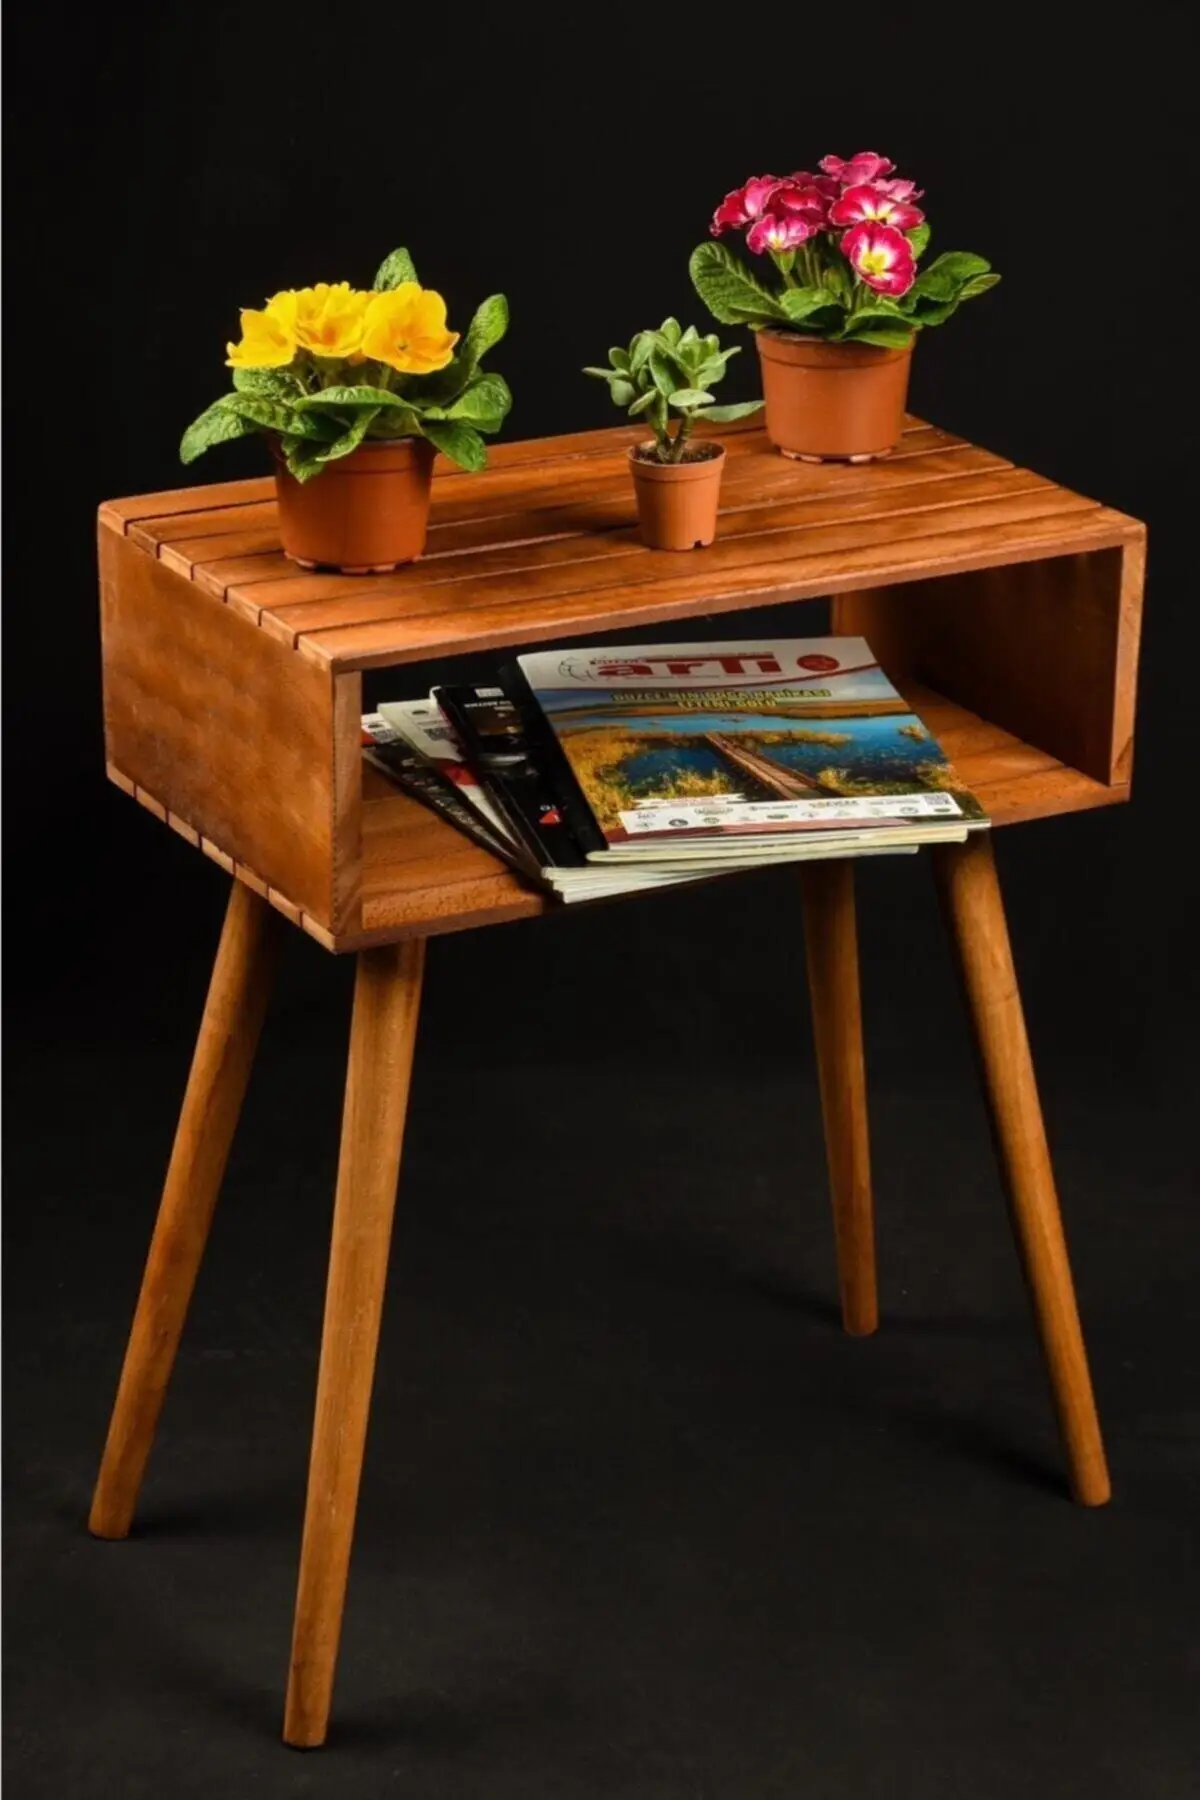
<point x="329" y="318"/>
<point x="268" y="338"/>
<point x="406" y="328"/>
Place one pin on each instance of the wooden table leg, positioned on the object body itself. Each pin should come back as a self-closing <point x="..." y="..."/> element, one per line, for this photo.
<point x="970" y="893"/>
<point x="831" y="946"/>
<point x="224" y="1054"/>
<point x="387" y="998"/>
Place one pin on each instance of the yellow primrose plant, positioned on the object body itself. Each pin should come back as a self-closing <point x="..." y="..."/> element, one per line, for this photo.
<point x="327" y="368"/>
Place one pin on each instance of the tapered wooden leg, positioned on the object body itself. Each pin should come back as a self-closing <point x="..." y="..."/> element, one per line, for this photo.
<point x="831" y="944"/>
<point x="229" y="1031"/>
<point x="970" y="895"/>
<point x="387" y="998"/>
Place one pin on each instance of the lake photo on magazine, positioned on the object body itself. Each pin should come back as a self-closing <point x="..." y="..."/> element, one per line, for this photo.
<point x="621" y="759"/>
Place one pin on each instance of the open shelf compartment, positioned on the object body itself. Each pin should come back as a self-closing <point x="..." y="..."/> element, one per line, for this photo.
<point x="1006" y="607"/>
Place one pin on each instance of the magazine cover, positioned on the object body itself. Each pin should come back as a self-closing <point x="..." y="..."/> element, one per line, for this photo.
<point x="390" y="752"/>
<point x="734" y="740"/>
<point x="423" y="725"/>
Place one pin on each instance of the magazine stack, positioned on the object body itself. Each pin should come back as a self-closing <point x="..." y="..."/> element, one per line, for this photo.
<point x="594" y="772"/>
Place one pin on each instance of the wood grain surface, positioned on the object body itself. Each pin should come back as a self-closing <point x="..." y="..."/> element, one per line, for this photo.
<point x="831" y="956"/>
<point x="970" y="894"/>
<point x="544" y="542"/>
<point x="219" y="725"/>
<point x="1010" y="605"/>
<point x="224" y="1055"/>
<point x="387" y="998"/>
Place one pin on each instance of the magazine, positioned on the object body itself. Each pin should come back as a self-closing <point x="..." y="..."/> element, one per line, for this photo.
<point x="423" y="725"/>
<point x="728" y="752"/>
<point x="427" y="781"/>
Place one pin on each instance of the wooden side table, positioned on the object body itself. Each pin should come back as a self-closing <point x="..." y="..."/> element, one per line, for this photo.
<point x="1007" y="608"/>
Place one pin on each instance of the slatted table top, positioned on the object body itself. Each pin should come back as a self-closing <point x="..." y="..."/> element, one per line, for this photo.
<point x="544" y="543"/>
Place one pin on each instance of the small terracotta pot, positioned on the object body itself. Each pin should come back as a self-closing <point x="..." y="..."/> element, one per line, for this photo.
<point x="363" y="514"/>
<point x="832" y="400"/>
<point x="677" y="502"/>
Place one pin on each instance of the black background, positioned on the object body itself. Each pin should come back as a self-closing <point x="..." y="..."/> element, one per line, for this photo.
<point x="637" y="1521"/>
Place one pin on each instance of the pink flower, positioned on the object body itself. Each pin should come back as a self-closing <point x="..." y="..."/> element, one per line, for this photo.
<point x="867" y="165"/>
<point x="870" y="201"/>
<point x="744" y="204"/>
<point x="780" y="232"/>
<point x="882" y="257"/>
<point x="828" y="186"/>
<point x="802" y="199"/>
<point x="899" y="190"/>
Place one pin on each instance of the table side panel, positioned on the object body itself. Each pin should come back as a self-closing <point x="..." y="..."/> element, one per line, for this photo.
<point x="1047" y="649"/>
<point x="226" y="729"/>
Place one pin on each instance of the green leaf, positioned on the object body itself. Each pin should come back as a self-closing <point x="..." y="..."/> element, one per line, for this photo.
<point x="485" y="402"/>
<point x="485" y="330"/>
<point x="918" y="237"/>
<point x="671" y="330"/>
<point x="877" y="311"/>
<point x="619" y="358"/>
<point x="302" y="460"/>
<point x="690" y="336"/>
<point x="461" y="443"/>
<point x="728" y="289"/>
<point x="924" y="312"/>
<point x="394" y="269"/>
<point x="277" y="415"/>
<point x="950" y="272"/>
<point x="639" y="350"/>
<point x="272" y="384"/>
<point x="723" y="415"/>
<point x="838" y="277"/>
<point x="978" y="284"/>
<point x="689" y="397"/>
<point x="622" y="392"/>
<point x="708" y="374"/>
<point x="644" y="402"/>
<point x="667" y="371"/>
<point x="604" y="374"/>
<point x="798" y="303"/>
<point x="349" y="396"/>
<point x="350" y="439"/>
<point x="887" y="337"/>
<point x="217" y="424"/>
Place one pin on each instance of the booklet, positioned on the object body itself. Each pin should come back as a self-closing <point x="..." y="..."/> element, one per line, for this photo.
<point x="733" y="751"/>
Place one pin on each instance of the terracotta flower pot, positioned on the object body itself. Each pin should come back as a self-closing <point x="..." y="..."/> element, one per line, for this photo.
<point x="677" y="502"/>
<point x="363" y="514"/>
<point x="832" y="400"/>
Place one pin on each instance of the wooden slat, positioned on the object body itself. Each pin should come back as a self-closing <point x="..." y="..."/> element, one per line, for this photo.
<point x="185" y="554"/>
<point x="499" y="489"/>
<point x="603" y="503"/>
<point x="268" y="582"/>
<point x="524" y="454"/>
<point x="213" y="521"/>
<point x="118" y="515"/>
<point x="746" y="535"/>
<point x="527" y="453"/>
<point x="904" y="550"/>
<point x="273" y="585"/>
<point x="750" y="465"/>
